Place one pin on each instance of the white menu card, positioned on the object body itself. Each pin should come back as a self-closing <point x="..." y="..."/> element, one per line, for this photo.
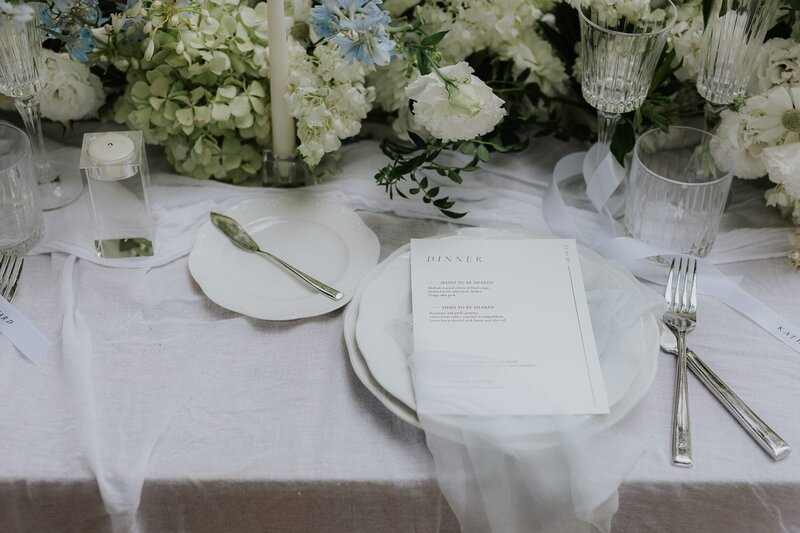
<point x="501" y="327"/>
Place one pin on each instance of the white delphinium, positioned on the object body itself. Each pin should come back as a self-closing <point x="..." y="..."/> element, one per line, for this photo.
<point x="328" y="97"/>
<point x="398" y="7"/>
<point x="687" y="38"/>
<point x="613" y="11"/>
<point x="503" y="27"/>
<point x="778" y="63"/>
<point x="72" y="92"/>
<point x="460" y="109"/>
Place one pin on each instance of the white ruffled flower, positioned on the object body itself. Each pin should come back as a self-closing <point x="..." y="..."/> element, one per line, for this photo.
<point x="764" y="121"/>
<point x="464" y="110"/>
<point x="72" y="92"/>
<point x="783" y="166"/>
<point x="778" y="63"/>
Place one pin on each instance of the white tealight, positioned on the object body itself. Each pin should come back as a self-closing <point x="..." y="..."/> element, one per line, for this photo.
<point x="111" y="148"/>
<point x="111" y="152"/>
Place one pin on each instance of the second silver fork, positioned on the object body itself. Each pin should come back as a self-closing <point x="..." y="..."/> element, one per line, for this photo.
<point x="10" y="272"/>
<point x="680" y="317"/>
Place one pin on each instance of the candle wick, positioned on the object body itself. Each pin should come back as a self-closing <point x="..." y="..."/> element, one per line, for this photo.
<point x="111" y="144"/>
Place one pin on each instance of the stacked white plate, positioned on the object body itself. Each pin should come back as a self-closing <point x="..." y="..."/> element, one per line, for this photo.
<point x="377" y="331"/>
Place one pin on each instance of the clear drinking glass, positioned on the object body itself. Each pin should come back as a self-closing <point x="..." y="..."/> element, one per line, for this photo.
<point x="733" y="35"/>
<point x="677" y="189"/>
<point x="23" y="73"/>
<point x="20" y="214"/>
<point x="619" y="57"/>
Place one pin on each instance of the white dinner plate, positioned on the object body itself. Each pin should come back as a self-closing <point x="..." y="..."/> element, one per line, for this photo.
<point x="325" y="240"/>
<point x="628" y="359"/>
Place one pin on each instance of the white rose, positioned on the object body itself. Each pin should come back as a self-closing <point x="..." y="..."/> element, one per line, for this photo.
<point x="783" y="166"/>
<point x="72" y="92"/>
<point x="467" y="110"/>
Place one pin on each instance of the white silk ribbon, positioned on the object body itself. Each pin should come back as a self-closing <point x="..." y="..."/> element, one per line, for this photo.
<point x="602" y="181"/>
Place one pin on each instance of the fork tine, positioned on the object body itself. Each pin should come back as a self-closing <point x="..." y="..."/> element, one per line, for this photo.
<point x="693" y="295"/>
<point x="5" y="272"/>
<point x="12" y="290"/>
<point x="668" y="294"/>
<point x="680" y="290"/>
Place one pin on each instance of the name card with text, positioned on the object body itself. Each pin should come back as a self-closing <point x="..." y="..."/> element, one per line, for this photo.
<point x="502" y="327"/>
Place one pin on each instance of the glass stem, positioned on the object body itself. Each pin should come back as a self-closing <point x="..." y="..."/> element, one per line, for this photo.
<point x="606" y="124"/>
<point x="712" y="112"/>
<point x="28" y="108"/>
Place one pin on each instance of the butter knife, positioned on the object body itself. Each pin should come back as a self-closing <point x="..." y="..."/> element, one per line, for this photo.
<point x="237" y="234"/>
<point x="764" y="435"/>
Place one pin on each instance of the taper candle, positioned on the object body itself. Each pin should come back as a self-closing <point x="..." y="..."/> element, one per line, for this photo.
<point x="283" y="130"/>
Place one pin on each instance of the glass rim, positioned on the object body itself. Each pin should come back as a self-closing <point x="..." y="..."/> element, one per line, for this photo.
<point x="673" y="18"/>
<point x="26" y="152"/>
<point x="728" y="174"/>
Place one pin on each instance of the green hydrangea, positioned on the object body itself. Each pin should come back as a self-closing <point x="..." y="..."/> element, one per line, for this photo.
<point x="196" y="84"/>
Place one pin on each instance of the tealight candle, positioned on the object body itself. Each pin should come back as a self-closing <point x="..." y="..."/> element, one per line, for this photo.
<point x="110" y="152"/>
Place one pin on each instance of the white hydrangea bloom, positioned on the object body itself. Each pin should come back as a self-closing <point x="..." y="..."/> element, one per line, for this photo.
<point x="455" y="113"/>
<point x="328" y="98"/>
<point x="72" y="92"/>
<point x="778" y="63"/>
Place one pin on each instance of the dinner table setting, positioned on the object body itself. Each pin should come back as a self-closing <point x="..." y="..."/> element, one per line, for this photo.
<point x="556" y="298"/>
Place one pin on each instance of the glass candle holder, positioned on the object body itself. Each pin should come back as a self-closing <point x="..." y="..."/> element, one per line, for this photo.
<point x="286" y="172"/>
<point x="677" y="189"/>
<point x="115" y="166"/>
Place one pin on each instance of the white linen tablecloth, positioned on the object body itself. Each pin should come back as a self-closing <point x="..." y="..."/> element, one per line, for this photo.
<point x="174" y="414"/>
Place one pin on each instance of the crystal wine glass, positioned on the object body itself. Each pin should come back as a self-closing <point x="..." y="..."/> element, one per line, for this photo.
<point x="619" y="56"/>
<point x="23" y="73"/>
<point x="733" y="35"/>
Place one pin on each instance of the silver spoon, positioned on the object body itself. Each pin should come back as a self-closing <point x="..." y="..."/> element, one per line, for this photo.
<point x="772" y="443"/>
<point x="237" y="234"/>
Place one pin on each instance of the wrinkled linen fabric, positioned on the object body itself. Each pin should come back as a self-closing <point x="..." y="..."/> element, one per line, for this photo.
<point x="159" y="411"/>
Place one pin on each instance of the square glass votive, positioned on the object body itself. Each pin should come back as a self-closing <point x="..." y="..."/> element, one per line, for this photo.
<point x="285" y="172"/>
<point x="677" y="189"/>
<point x="115" y="166"/>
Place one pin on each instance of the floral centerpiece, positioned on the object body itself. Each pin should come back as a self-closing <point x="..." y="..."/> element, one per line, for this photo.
<point x="475" y="76"/>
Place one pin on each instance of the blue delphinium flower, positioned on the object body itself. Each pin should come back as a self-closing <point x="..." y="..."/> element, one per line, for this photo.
<point x="79" y="44"/>
<point x="358" y="27"/>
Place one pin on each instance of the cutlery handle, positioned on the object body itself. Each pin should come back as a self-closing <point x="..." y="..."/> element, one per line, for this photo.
<point x="681" y="436"/>
<point x="772" y="443"/>
<point x="328" y="291"/>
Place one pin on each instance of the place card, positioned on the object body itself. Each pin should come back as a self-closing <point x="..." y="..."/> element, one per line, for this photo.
<point x="502" y="327"/>
<point x="22" y="333"/>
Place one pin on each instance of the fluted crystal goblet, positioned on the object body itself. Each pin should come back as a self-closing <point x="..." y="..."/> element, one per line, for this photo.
<point x="731" y="40"/>
<point x="23" y="73"/>
<point x="618" y="58"/>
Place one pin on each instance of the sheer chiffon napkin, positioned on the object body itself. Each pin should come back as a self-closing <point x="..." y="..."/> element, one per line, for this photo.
<point x="544" y="473"/>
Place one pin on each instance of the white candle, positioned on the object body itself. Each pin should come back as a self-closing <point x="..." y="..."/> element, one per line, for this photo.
<point x="283" y="143"/>
<point x="112" y="153"/>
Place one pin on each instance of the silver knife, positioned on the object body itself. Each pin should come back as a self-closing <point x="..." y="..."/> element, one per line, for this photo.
<point x="237" y="234"/>
<point x="764" y="435"/>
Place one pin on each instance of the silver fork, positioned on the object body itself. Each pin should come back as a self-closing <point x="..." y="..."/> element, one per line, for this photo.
<point x="680" y="317"/>
<point x="10" y="272"/>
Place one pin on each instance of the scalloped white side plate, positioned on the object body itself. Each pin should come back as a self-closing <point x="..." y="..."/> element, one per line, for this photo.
<point x="323" y="239"/>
